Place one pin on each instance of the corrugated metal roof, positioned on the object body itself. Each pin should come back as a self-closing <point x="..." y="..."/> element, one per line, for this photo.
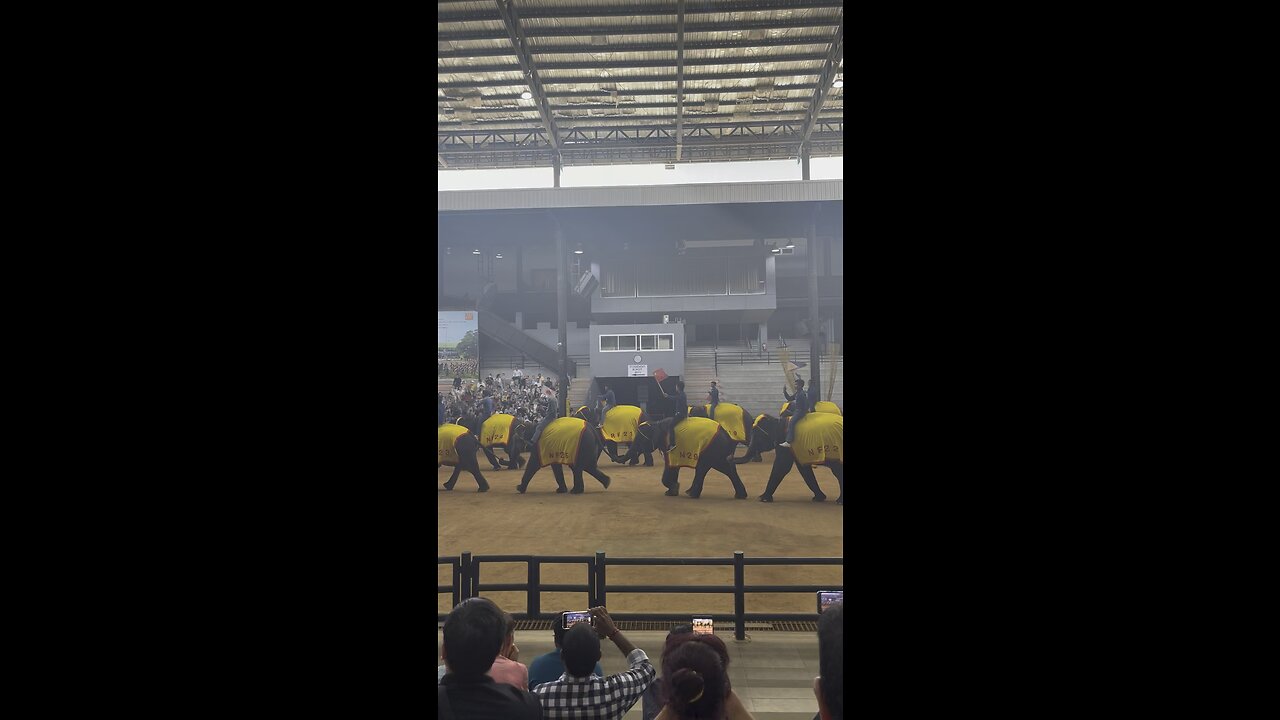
<point x="602" y="63"/>
<point x="640" y="195"/>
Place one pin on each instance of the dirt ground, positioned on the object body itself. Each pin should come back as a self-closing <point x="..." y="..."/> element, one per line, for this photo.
<point x="634" y="519"/>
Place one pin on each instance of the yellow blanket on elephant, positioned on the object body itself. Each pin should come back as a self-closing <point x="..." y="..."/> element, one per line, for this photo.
<point x="496" y="430"/>
<point x="821" y="406"/>
<point x="692" y="437"/>
<point x="620" y="423"/>
<point x="819" y="437"/>
<point x="559" y="442"/>
<point x="730" y="418"/>
<point x="446" y="439"/>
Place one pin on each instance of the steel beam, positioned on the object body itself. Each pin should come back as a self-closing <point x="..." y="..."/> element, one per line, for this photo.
<point x="688" y="104"/>
<point x="663" y="28"/>
<point x="637" y="9"/>
<point x="679" y="79"/>
<point x="764" y="131"/>
<point x="506" y="8"/>
<point x="823" y="40"/>
<point x="827" y="77"/>
<point x="594" y="79"/>
<point x="635" y="155"/>
<point x="640" y="92"/>
<point x="627" y="64"/>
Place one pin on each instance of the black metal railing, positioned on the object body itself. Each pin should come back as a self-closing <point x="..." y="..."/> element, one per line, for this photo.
<point x="467" y="584"/>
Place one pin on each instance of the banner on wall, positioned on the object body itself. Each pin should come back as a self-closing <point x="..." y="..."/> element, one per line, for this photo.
<point x="458" y="344"/>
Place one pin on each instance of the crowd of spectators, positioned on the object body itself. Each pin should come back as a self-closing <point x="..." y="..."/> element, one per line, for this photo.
<point x="481" y="677"/>
<point x="525" y="397"/>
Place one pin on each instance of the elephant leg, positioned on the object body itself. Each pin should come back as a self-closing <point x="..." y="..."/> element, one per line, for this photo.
<point x="837" y="469"/>
<point x="671" y="481"/>
<point x="648" y="459"/>
<point x="578" y="489"/>
<point x="728" y="468"/>
<point x="699" y="474"/>
<point x="474" y="469"/>
<point x="534" y="463"/>
<point x="782" y="462"/>
<point x="806" y="472"/>
<point x="493" y="459"/>
<point x="453" y="479"/>
<point x="558" y="471"/>
<point x="611" y="448"/>
<point x="513" y="453"/>
<point x="594" y="471"/>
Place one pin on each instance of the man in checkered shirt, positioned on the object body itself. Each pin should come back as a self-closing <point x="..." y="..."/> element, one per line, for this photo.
<point x="581" y="695"/>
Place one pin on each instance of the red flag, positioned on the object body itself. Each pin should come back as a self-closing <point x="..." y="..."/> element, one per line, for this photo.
<point x="660" y="374"/>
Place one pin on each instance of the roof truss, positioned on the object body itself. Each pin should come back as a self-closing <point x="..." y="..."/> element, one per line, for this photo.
<point x="506" y="8"/>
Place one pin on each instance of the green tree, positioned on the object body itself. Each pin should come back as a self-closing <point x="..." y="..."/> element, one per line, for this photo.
<point x="469" y="346"/>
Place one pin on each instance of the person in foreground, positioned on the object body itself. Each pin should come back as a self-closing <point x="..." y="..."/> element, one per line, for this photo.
<point x="506" y="668"/>
<point x="696" y="682"/>
<point x="580" y="695"/>
<point x="651" y="703"/>
<point x="546" y="668"/>
<point x="474" y="633"/>
<point x="829" y="686"/>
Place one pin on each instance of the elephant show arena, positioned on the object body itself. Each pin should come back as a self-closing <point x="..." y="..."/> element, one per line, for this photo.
<point x="634" y="519"/>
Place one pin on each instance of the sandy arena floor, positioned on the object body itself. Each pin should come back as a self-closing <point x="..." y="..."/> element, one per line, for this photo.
<point x="634" y="519"/>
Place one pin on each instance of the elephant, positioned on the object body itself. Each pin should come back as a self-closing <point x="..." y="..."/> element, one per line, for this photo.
<point x="769" y="431"/>
<point x="454" y="439"/>
<point x="631" y="417"/>
<point x="727" y="414"/>
<point x="517" y="434"/>
<point x="700" y="444"/>
<point x="557" y="438"/>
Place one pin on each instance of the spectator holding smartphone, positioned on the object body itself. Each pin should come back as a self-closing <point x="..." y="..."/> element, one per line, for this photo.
<point x="546" y="668"/>
<point x="580" y="695"/>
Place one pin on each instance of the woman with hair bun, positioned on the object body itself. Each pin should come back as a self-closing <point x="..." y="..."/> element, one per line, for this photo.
<point x="695" y="680"/>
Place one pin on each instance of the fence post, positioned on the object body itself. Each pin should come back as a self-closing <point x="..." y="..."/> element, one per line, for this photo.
<point x="457" y="582"/>
<point x="466" y="576"/>
<point x="600" y="592"/>
<point x="535" y="580"/>
<point x="739" y="598"/>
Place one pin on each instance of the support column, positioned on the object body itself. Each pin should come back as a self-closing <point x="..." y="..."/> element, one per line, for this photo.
<point x="555" y="165"/>
<point x="804" y="163"/>
<point x="562" y="312"/>
<point x="815" y="362"/>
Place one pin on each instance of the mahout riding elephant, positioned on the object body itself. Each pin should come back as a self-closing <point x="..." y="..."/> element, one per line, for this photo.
<point x="819" y="441"/>
<point x="565" y="441"/>
<point x="501" y="430"/>
<point x="735" y="420"/>
<point x="700" y="443"/>
<point x="620" y="426"/>
<point x="456" y="447"/>
<point x="820" y="406"/>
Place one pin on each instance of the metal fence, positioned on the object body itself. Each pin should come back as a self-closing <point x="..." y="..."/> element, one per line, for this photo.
<point x="467" y="584"/>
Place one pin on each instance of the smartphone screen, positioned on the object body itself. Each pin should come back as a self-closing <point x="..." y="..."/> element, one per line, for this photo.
<point x="573" y="617"/>
<point x="826" y="597"/>
<point x="703" y="626"/>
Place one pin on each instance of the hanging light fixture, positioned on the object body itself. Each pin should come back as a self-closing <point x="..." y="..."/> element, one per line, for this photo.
<point x="578" y="250"/>
<point x="526" y="95"/>
<point x="498" y="256"/>
<point x="476" y="251"/>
